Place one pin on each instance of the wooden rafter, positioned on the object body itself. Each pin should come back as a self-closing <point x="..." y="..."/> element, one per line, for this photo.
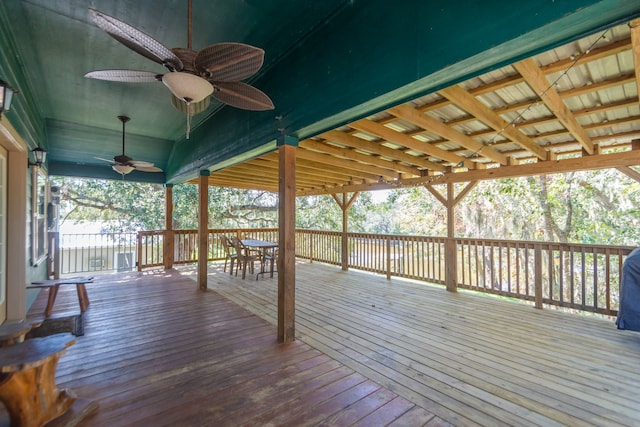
<point x="349" y="154"/>
<point x="381" y="150"/>
<point x="425" y="121"/>
<point x="442" y="137"/>
<point x="538" y="82"/>
<point x="373" y="128"/>
<point x="470" y="104"/>
<point x="635" y="42"/>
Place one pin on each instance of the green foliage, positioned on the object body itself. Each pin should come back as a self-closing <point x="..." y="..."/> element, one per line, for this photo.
<point x="583" y="207"/>
<point x="124" y="206"/>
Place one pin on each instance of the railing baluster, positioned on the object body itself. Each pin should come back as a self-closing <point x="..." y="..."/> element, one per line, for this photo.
<point x="513" y="268"/>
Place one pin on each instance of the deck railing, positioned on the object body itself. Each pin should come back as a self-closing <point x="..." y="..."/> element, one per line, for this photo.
<point x="576" y="276"/>
<point x="95" y="253"/>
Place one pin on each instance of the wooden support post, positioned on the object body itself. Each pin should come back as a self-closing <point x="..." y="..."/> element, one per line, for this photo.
<point x="287" y="238"/>
<point x="345" y="231"/>
<point x="203" y="228"/>
<point x="345" y="204"/>
<point x="139" y="256"/>
<point x="451" y="249"/>
<point x="168" y="240"/>
<point x="537" y="266"/>
<point x="451" y="254"/>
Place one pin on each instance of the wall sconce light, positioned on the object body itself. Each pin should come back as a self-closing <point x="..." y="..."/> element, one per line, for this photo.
<point x="6" y="94"/>
<point x="39" y="155"/>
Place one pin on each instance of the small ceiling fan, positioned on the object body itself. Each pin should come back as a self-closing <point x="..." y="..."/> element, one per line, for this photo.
<point x="215" y="70"/>
<point x="124" y="164"/>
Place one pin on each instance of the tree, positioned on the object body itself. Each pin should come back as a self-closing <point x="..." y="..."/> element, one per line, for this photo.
<point x="584" y="207"/>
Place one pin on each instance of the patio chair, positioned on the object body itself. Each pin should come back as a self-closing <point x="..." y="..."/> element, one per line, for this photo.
<point x="244" y="257"/>
<point x="230" y="252"/>
<point x="270" y="257"/>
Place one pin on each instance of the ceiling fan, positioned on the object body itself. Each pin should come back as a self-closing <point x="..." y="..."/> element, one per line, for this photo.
<point x="215" y="70"/>
<point x="124" y="164"/>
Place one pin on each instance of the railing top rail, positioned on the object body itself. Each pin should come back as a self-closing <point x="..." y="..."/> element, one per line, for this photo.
<point x="545" y="244"/>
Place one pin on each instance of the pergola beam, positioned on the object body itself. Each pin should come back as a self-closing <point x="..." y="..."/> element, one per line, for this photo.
<point x="381" y="131"/>
<point x="595" y="162"/>
<point x="349" y="154"/>
<point x="635" y="48"/>
<point x="473" y="106"/>
<point x="378" y="148"/>
<point x="429" y="123"/>
<point x="536" y="79"/>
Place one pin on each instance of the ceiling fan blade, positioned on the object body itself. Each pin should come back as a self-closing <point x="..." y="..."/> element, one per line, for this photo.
<point x="127" y="76"/>
<point x="136" y="40"/>
<point x="104" y="160"/>
<point x="148" y="169"/>
<point x="140" y="164"/>
<point x="229" y="62"/>
<point x="241" y="95"/>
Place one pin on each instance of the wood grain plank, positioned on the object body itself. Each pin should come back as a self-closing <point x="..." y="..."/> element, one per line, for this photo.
<point x="464" y="357"/>
<point x="155" y="348"/>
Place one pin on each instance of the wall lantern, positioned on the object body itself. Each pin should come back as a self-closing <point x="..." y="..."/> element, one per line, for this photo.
<point x="39" y="155"/>
<point x="6" y="94"/>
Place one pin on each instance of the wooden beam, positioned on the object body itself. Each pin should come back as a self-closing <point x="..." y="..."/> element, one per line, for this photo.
<point x="203" y="228"/>
<point x="634" y="25"/>
<point x="586" y="57"/>
<point x="631" y="173"/>
<point x="378" y="148"/>
<point x="350" y="154"/>
<point x="470" y="186"/>
<point x="429" y="123"/>
<point x="471" y="105"/>
<point x="329" y="160"/>
<point x="436" y="194"/>
<point x="595" y="162"/>
<point x="373" y="128"/>
<point x="536" y="79"/>
<point x="345" y="203"/>
<point x="451" y="249"/>
<point x="287" y="243"/>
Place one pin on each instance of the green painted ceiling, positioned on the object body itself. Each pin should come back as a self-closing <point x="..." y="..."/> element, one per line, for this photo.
<point x="327" y="62"/>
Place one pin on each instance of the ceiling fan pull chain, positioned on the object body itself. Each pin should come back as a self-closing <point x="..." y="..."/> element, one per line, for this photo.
<point x="188" y="119"/>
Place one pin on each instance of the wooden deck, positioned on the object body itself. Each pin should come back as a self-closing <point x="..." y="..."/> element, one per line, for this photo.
<point x="467" y="358"/>
<point x="158" y="352"/>
<point x="370" y="352"/>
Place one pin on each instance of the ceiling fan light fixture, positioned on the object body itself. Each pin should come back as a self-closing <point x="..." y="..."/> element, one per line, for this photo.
<point x="123" y="169"/>
<point x="187" y="87"/>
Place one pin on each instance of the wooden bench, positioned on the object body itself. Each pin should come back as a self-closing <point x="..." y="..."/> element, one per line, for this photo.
<point x="27" y="380"/>
<point x="54" y="285"/>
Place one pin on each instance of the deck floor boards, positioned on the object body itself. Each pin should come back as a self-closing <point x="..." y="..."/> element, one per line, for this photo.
<point x="370" y="352"/>
<point x="469" y="359"/>
<point x="156" y="351"/>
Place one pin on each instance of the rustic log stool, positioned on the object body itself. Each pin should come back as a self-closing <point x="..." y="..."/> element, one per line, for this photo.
<point x="27" y="380"/>
<point x="54" y="285"/>
<point x="14" y="332"/>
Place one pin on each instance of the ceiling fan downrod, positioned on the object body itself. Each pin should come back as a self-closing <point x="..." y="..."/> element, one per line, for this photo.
<point x="123" y="119"/>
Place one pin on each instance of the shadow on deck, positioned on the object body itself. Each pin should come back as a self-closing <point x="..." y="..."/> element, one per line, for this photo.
<point x="156" y="351"/>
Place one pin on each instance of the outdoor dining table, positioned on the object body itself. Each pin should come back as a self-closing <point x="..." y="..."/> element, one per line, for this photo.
<point x="263" y="246"/>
